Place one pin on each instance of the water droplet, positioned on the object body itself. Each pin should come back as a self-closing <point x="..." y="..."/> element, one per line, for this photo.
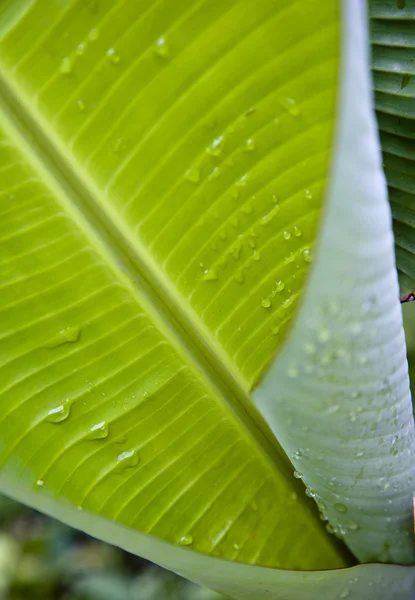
<point x="66" y="66"/>
<point x="59" y="413"/>
<point x="80" y="49"/>
<point x="210" y="274"/>
<point x="93" y="35"/>
<point x="309" y="348"/>
<point x="247" y="208"/>
<point x="298" y="475"/>
<point x="279" y="286"/>
<point x="250" y="111"/>
<point x="345" y="593"/>
<point x="69" y="335"/>
<point x="215" y="174"/>
<point x="98" y="431"/>
<point x="292" y="372"/>
<point x="40" y="483"/>
<point x="307" y="255"/>
<point x="81" y="105"/>
<point x="250" y="145"/>
<point x="113" y="56"/>
<point x="341" y="508"/>
<point x="126" y="460"/>
<point x="290" y="105"/>
<point x="252" y="243"/>
<point x="186" y="540"/>
<point x="265" y="302"/>
<point x="308" y="194"/>
<point x="275" y="330"/>
<point x="236" y="547"/>
<point x="286" y="235"/>
<point x="162" y="49"/>
<point x="216" y="147"/>
<point x="297" y="231"/>
<point x="256" y="256"/>
<point x="242" y="181"/>
<point x="324" y="335"/>
<point x="193" y="175"/>
<point x="359" y="454"/>
<point x="352" y="525"/>
<point x="310" y="493"/>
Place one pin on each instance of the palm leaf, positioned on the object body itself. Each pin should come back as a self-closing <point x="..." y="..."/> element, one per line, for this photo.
<point x="165" y="168"/>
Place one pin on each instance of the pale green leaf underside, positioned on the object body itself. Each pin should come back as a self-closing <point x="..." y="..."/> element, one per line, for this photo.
<point x="393" y="44"/>
<point x="145" y="281"/>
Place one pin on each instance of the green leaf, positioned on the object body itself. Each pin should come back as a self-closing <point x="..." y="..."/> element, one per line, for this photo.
<point x="341" y="379"/>
<point x="163" y="177"/>
<point x="151" y="250"/>
<point x="393" y="41"/>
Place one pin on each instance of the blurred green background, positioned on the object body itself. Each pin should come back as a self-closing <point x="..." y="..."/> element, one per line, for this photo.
<point x="42" y="559"/>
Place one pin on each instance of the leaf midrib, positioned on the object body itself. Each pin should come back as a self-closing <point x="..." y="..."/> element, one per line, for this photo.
<point x="135" y="268"/>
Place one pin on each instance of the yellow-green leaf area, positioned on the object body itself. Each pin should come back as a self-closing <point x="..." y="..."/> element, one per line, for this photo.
<point x="162" y="172"/>
<point x="201" y="131"/>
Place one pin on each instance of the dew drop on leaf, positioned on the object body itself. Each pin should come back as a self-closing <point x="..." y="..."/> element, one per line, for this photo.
<point x="81" y="105"/>
<point x="40" y="483"/>
<point x="59" y="413"/>
<point x="186" y="540"/>
<point x="113" y="56"/>
<point x="66" y="66"/>
<point x="265" y="302"/>
<point x="250" y="145"/>
<point x="290" y="105"/>
<point x="341" y="508"/>
<point x="193" y="175"/>
<point x="297" y="231"/>
<point x="161" y="48"/>
<point x="243" y="181"/>
<point x="275" y="330"/>
<point x="210" y="274"/>
<point x="126" y="460"/>
<point x="80" y="49"/>
<point x="99" y="431"/>
<point x="214" y="174"/>
<point x="216" y="147"/>
<point x="324" y="335"/>
<point x="307" y="255"/>
<point x="68" y="335"/>
<point x="286" y="235"/>
<point x="93" y="35"/>
<point x="292" y="372"/>
<point x="308" y="194"/>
